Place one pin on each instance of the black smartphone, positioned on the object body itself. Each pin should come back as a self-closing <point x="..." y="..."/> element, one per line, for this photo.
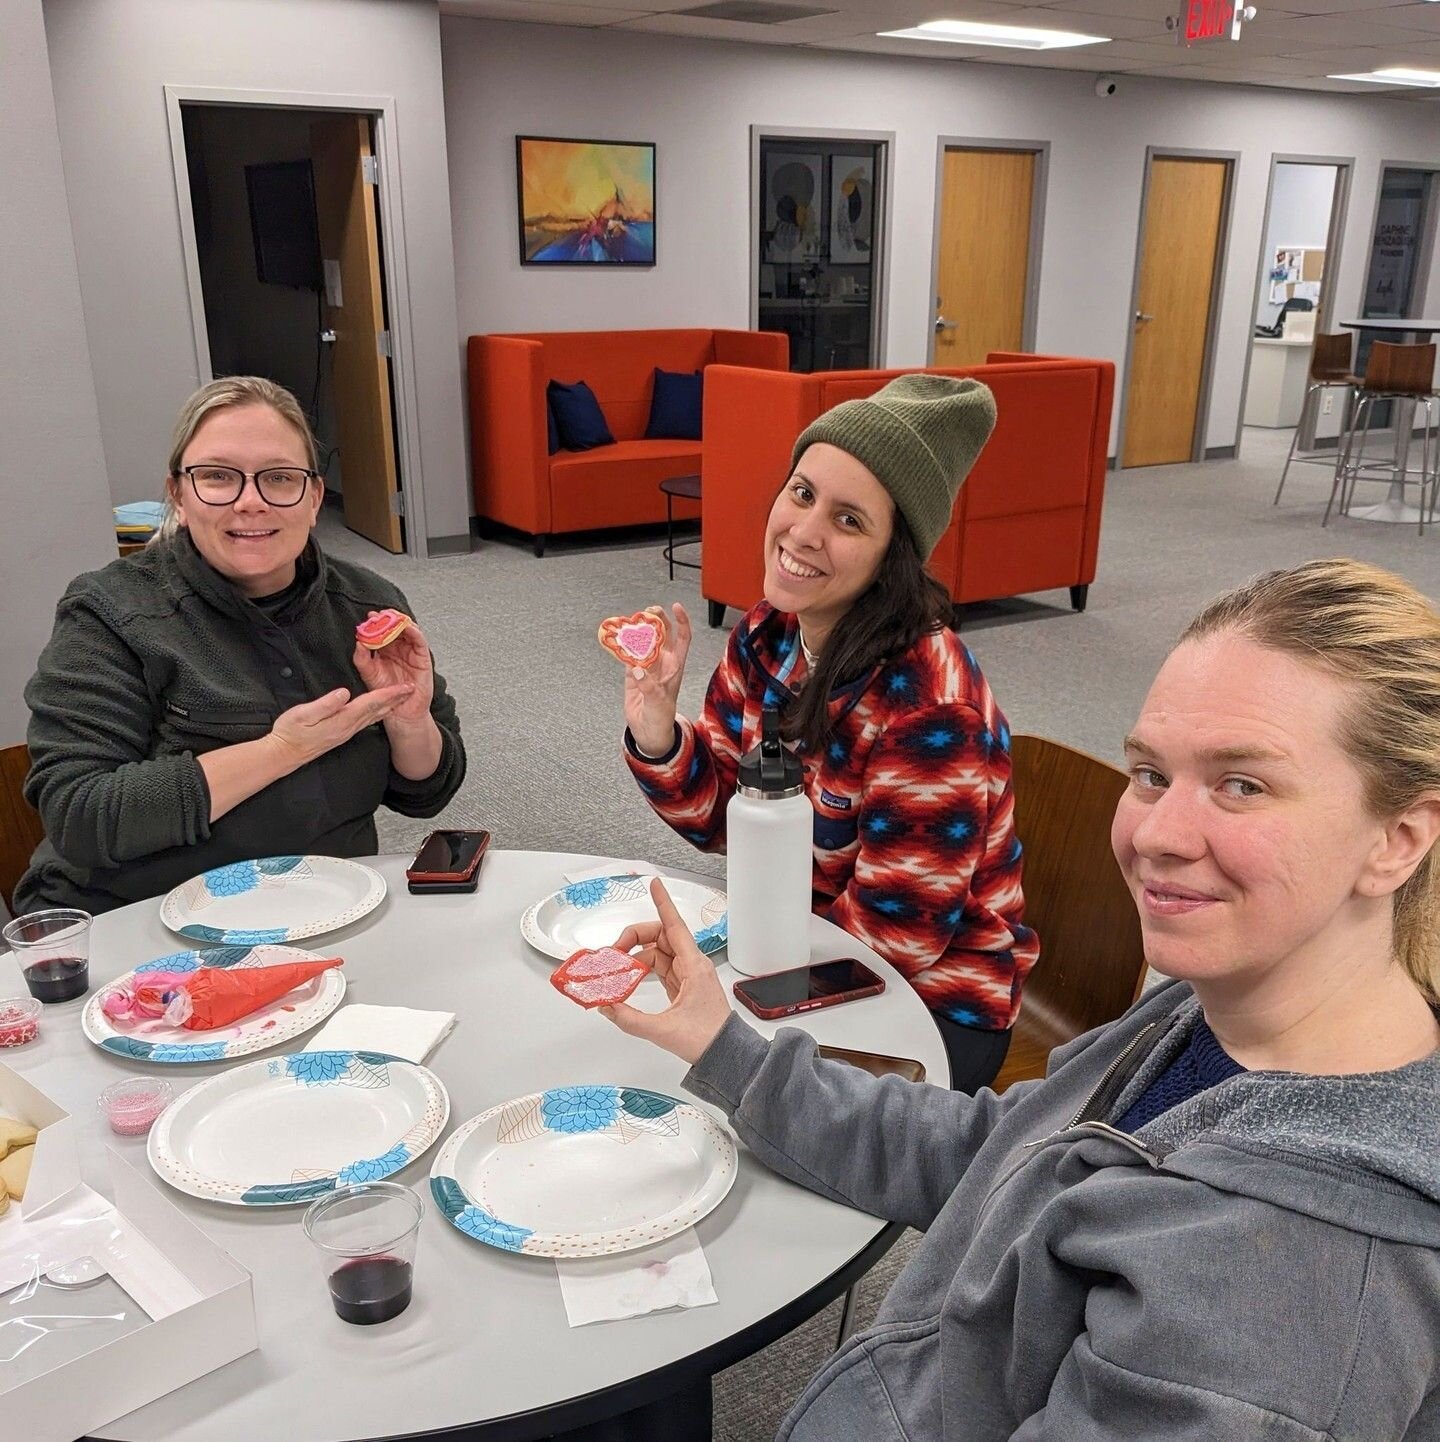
<point x="448" y="861"/>
<point x="807" y="988"/>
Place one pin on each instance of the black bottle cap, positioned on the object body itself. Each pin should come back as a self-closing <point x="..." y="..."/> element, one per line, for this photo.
<point x="770" y="769"/>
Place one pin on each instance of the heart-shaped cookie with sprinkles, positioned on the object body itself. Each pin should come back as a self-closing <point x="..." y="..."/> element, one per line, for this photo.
<point x="599" y="977"/>
<point x="635" y="640"/>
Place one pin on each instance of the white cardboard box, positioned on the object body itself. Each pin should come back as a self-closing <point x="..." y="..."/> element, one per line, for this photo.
<point x="198" y="1299"/>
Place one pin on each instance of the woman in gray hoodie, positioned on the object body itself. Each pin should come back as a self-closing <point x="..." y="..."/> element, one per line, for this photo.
<point x="1218" y="1217"/>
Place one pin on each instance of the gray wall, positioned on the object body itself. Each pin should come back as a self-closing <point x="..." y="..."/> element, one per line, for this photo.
<point x="698" y="99"/>
<point x="52" y="473"/>
<point x="111" y="60"/>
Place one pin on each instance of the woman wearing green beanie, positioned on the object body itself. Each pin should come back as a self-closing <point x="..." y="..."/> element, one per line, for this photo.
<point x="906" y="753"/>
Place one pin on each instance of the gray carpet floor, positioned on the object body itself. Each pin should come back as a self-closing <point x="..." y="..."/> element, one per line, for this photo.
<point x="540" y="702"/>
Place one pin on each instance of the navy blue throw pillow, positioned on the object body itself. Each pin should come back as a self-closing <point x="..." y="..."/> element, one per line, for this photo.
<point x="578" y="417"/>
<point x="552" y="431"/>
<point x="676" y="406"/>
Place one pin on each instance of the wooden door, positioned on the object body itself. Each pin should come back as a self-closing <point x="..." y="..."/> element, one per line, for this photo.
<point x="984" y="271"/>
<point x="350" y="239"/>
<point x="1178" y="255"/>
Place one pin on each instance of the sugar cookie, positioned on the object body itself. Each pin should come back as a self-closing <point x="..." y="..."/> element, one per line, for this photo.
<point x="15" y="1134"/>
<point x="15" y="1170"/>
<point x="382" y="628"/>
<point x="636" y="640"/>
<point x="603" y="977"/>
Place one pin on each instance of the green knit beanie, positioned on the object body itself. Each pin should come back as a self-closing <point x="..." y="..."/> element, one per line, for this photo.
<point x="919" y="436"/>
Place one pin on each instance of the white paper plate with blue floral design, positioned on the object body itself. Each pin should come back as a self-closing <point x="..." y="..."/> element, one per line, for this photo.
<point x="594" y="912"/>
<point x="273" y="900"/>
<point x="583" y="1171"/>
<point x="283" y="1131"/>
<point x="281" y="1021"/>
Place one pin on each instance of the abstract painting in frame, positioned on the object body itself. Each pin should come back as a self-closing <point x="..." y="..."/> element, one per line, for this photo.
<point x="792" y="207"/>
<point x="852" y="209"/>
<point x="585" y="202"/>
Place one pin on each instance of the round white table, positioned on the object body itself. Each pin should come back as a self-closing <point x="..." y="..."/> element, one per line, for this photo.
<point x="485" y="1345"/>
<point x="1394" y="510"/>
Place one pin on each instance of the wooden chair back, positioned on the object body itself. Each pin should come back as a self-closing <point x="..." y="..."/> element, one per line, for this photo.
<point x="20" y="828"/>
<point x="1092" y="960"/>
<point x="1331" y="358"/>
<point x="1402" y="370"/>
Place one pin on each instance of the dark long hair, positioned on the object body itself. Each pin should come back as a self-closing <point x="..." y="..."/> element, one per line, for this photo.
<point x="903" y="603"/>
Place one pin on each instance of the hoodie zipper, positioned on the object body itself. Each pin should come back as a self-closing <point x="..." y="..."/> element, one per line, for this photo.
<point x="1151" y="1154"/>
<point x="1109" y="1086"/>
<point x="1120" y="1073"/>
<point x="1117" y="1076"/>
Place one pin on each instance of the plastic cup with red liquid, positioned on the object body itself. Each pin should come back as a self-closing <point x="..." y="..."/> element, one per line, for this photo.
<point x="365" y="1235"/>
<point x="53" y="951"/>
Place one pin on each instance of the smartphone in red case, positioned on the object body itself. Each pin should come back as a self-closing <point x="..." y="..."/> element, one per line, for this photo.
<point x="807" y="988"/>
<point x="448" y="861"/>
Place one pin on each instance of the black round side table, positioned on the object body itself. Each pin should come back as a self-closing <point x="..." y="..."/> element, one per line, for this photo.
<point x="688" y="488"/>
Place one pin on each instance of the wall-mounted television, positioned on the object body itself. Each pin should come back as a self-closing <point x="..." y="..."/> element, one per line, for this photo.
<point x="282" y="224"/>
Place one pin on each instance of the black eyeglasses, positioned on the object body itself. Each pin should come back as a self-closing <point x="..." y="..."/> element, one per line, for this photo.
<point x="278" y="486"/>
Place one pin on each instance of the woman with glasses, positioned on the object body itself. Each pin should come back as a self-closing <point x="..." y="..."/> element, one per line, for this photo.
<point x="205" y="701"/>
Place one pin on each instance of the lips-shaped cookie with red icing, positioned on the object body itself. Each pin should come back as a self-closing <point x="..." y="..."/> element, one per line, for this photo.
<point x="382" y="628"/>
<point x="602" y="977"/>
<point x="636" y="640"/>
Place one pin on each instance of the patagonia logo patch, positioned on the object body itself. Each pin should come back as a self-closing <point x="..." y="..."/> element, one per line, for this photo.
<point x="179" y="711"/>
<point x="839" y="803"/>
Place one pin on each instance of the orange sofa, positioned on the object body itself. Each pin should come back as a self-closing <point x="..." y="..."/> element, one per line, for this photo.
<point x="519" y="484"/>
<point x="1028" y="517"/>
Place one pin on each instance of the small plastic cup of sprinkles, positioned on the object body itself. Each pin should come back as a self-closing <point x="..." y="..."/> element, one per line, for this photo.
<point x="132" y="1106"/>
<point x="19" y="1020"/>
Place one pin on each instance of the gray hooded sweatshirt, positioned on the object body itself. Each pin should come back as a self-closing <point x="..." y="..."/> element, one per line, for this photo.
<point x="1260" y="1262"/>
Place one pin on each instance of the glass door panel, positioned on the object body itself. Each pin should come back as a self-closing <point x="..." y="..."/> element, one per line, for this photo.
<point x="1403" y="222"/>
<point x="819" y="241"/>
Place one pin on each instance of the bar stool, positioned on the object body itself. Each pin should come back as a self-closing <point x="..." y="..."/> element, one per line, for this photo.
<point x="1329" y="369"/>
<point x="1392" y="373"/>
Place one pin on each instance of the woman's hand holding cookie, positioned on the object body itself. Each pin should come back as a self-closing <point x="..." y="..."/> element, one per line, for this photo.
<point x="652" y="693"/>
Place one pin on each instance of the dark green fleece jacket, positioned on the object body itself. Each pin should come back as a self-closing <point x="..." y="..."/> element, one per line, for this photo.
<point x="157" y="659"/>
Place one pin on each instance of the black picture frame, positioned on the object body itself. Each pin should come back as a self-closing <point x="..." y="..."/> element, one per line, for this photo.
<point x="606" y="245"/>
<point x="841" y="250"/>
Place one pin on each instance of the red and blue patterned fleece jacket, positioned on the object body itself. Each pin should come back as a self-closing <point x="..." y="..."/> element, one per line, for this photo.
<point x="915" y="847"/>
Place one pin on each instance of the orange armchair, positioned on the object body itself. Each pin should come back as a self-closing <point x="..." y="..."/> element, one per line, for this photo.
<point x="517" y="483"/>
<point x="1028" y="516"/>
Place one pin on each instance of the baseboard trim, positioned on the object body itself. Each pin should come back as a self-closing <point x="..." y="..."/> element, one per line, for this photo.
<point x="448" y="545"/>
<point x="1220" y="453"/>
<point x="1384" y="438"/>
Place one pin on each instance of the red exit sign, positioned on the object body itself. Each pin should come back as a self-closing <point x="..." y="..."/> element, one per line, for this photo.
<point x="1210" y="20"/>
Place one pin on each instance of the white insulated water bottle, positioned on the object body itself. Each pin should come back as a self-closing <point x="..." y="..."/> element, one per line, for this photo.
<point x="770" y="831"/>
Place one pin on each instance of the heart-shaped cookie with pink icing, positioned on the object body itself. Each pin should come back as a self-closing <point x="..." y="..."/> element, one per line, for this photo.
<point x="602" y="977"/>
<point x="635" y="640"/>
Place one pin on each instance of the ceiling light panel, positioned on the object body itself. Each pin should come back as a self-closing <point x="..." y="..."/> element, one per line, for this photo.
<point x="1008" y="37"/>
<point x="1397" y="75"/>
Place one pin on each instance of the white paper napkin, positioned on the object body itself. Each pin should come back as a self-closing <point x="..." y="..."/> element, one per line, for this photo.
<point x="613" y="868"/>
<point x="672" y="1273"/>
<point x="396" y="1030"/>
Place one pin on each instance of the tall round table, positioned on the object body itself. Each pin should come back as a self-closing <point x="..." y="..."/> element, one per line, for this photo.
<point x="485" y="1346"/>
<point x="1393" y="509"/>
